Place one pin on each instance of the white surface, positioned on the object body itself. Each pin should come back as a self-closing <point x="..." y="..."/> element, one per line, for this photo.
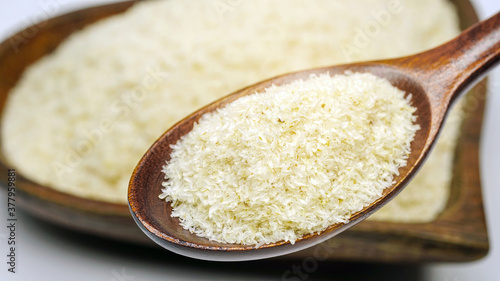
<point x="49" y="253"/>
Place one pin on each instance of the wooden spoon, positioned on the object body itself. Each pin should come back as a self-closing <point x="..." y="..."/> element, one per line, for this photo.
<point x="435" y="78"/>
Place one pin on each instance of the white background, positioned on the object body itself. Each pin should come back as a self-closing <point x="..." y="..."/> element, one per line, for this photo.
<point x="46" y="252"/>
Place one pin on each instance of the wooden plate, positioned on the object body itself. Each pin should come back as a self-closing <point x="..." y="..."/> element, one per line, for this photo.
<point x="458" y="234"/>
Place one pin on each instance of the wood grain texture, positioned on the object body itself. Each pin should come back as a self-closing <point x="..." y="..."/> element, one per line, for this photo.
<point x="459" y="234"/>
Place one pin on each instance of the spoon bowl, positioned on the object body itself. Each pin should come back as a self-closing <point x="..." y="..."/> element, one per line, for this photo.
<point x="434" y="78"/>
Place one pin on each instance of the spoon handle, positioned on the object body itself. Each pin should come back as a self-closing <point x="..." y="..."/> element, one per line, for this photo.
<point x="448" y="70"/>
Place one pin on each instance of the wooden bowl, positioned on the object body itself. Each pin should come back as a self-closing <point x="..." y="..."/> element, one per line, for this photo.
<point x="458" y="234"/>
